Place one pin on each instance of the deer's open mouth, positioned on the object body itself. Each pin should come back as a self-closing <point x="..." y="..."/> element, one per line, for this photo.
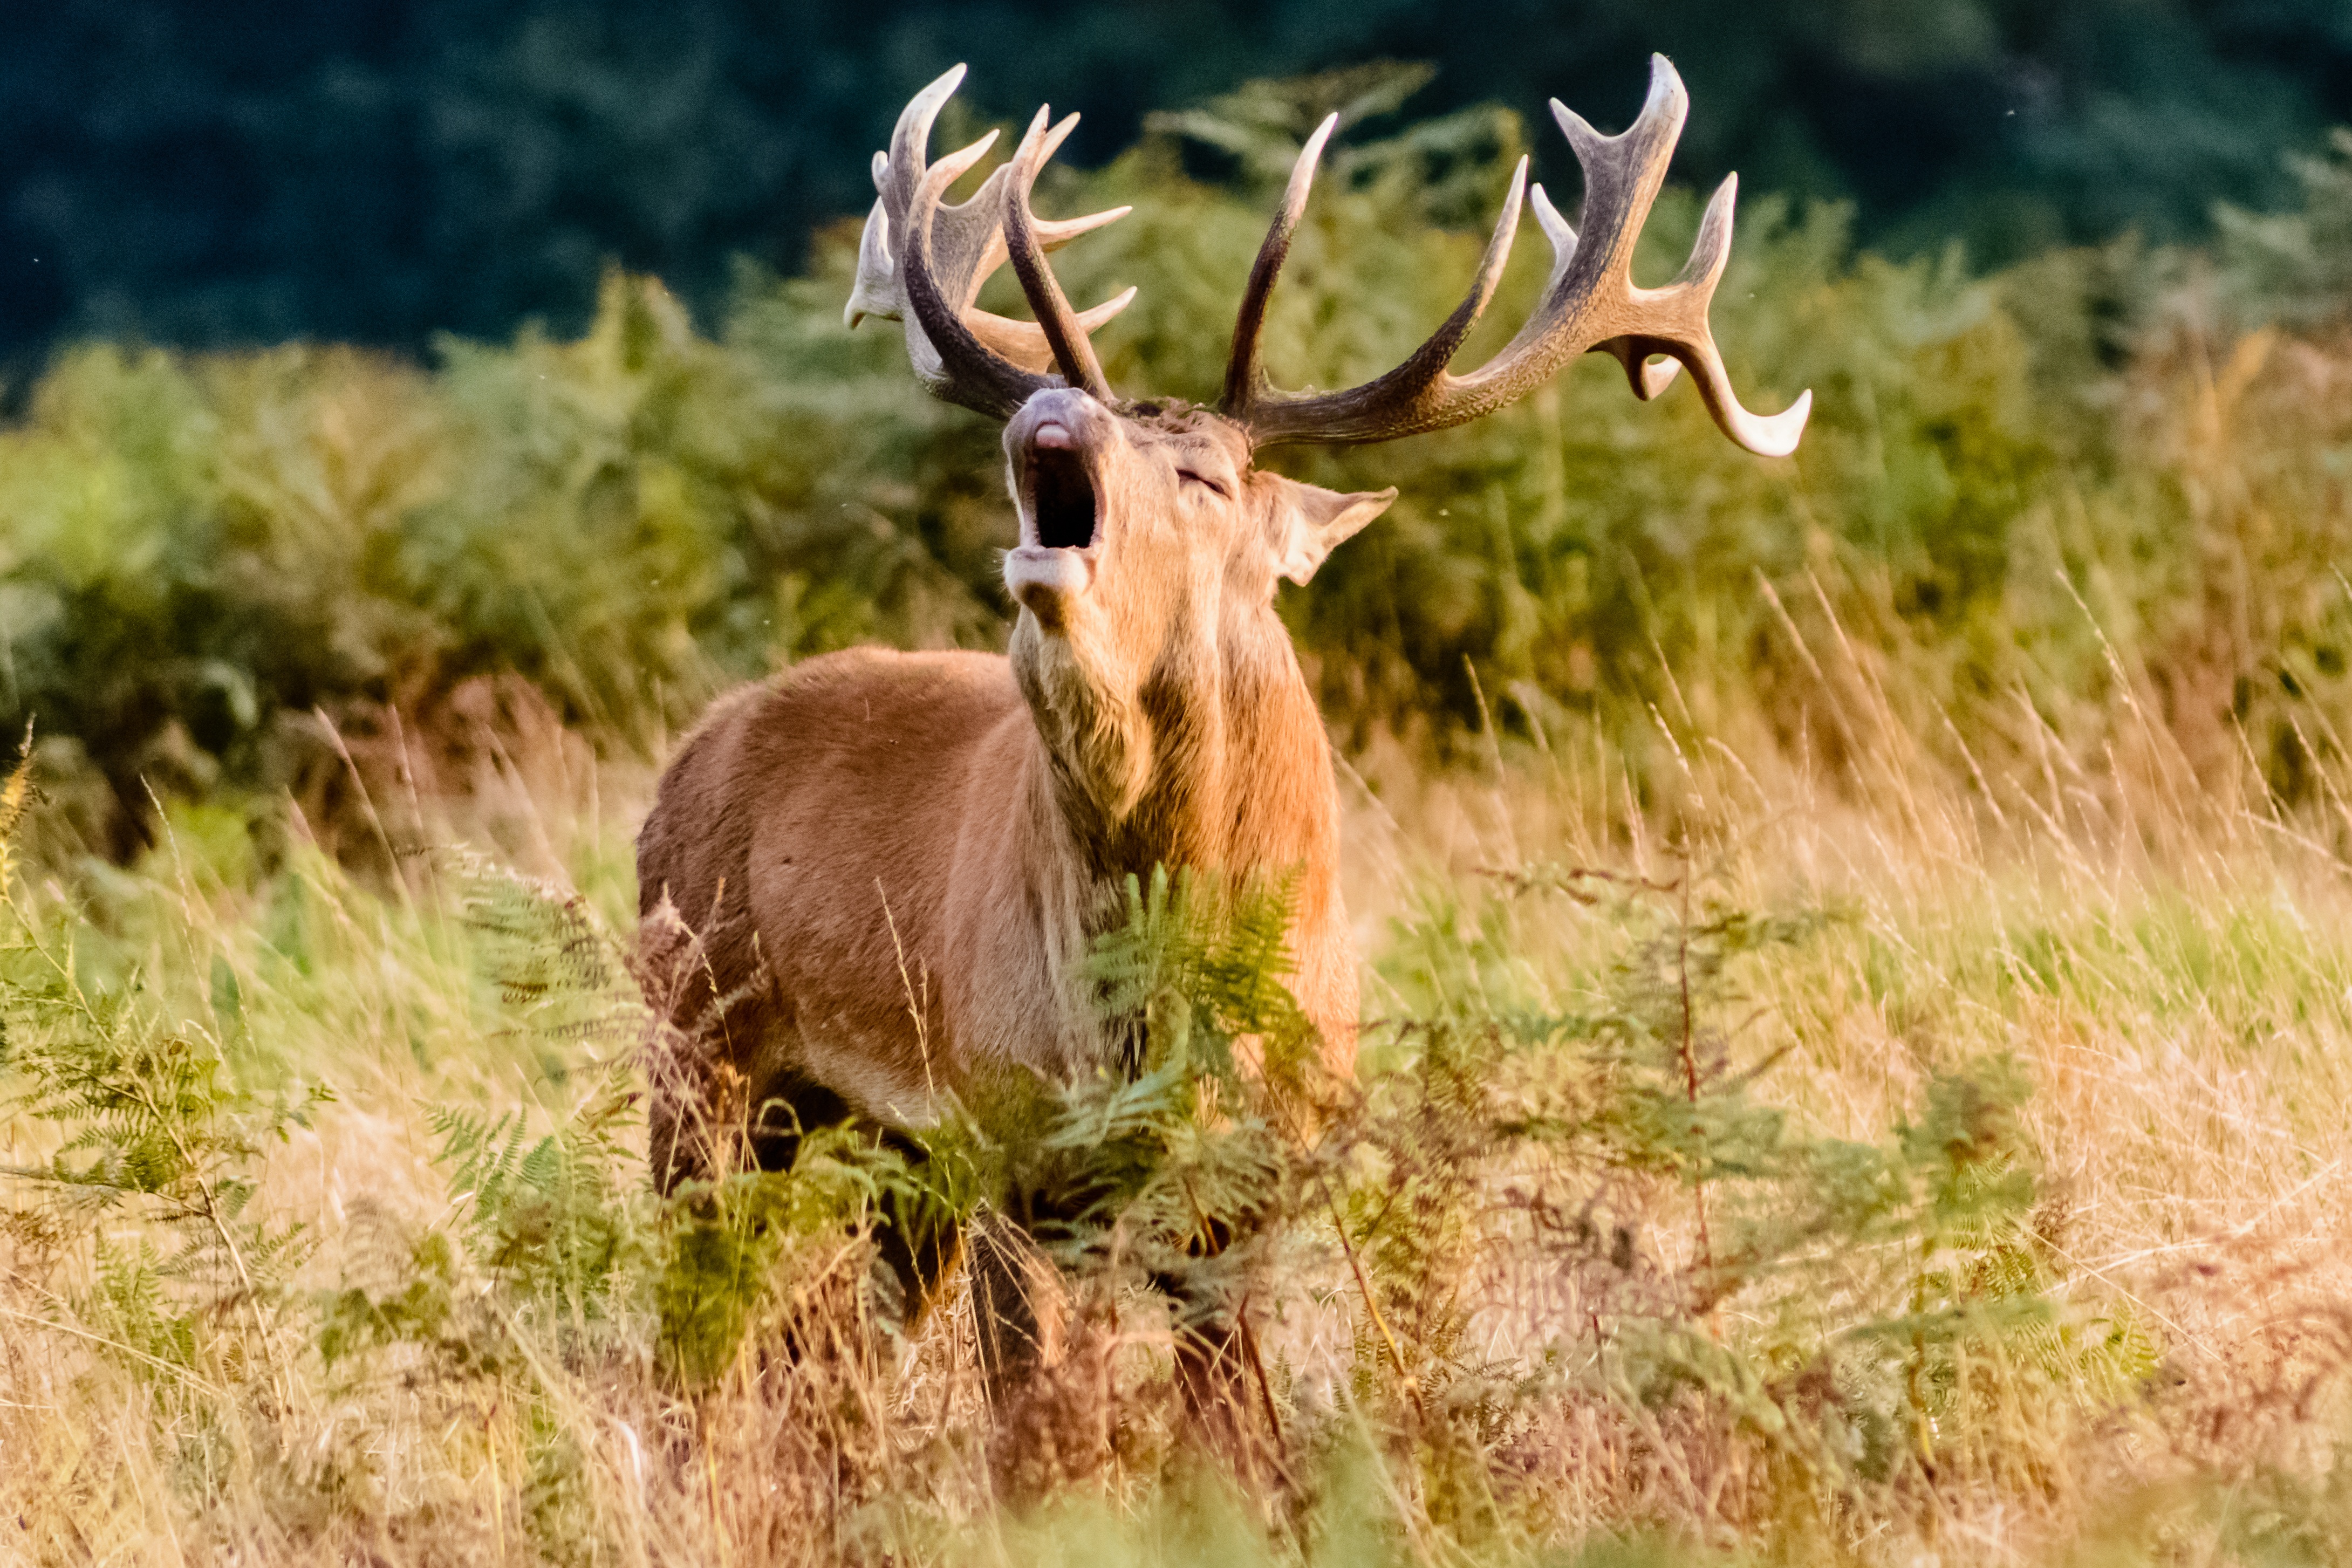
<point x="1061" y="497"/>
<point x="1061" y="524"/>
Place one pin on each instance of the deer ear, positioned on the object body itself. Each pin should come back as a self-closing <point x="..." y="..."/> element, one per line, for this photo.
<point x="1310" y="522"/>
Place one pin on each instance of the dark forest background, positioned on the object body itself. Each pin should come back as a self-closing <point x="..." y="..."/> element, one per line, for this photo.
<point x="236" y="172"/>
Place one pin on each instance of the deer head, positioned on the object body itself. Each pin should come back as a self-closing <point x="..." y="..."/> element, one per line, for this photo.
<point x="1150" y="543"/>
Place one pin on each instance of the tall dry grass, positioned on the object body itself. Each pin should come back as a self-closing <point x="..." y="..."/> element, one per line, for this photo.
<point x="1567" y="1357"/>
<point x="1858" y="1014"/>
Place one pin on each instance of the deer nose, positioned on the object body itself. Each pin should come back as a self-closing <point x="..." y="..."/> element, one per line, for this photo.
<point x="1062" y="418"/>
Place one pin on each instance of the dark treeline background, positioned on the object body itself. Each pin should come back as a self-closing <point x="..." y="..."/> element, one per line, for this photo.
<point x="218" y="172"/>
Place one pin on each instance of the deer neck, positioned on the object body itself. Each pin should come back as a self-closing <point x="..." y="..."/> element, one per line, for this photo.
<point x="1208" y="752"/>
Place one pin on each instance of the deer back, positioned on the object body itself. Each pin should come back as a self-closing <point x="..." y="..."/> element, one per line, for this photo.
<point x="882" y="871"/>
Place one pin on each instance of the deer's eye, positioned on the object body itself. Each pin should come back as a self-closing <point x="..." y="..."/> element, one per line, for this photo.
<point x="1212" y="485"/>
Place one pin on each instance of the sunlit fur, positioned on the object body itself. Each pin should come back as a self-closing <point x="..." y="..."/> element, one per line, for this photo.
<point x="895" y="863"/>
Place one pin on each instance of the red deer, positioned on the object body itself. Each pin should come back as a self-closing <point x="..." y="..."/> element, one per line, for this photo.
<point x="894" y="864"/>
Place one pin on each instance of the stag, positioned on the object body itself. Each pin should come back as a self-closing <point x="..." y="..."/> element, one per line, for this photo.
<point x="893" y="864"/>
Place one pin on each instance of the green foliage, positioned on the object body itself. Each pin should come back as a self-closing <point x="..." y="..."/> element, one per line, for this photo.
<point x="201" y="552"/>
<point x="1172" y="1160"/>
<point x="352" y="1322"/>
<point x="562" y="1220"/>
<point x="2292" y="265"/>
<point x="1874" y="1284"/>
<point x="545" y="951"/>
<point x="1881" y="1290"/>
<point x="1579" y="1215"/>
<point x="549" y="1216"/>
<point x="156" y="1139"/>
<point x="759" y="1249"/>
<point x="1198" y="966"/>
<point x="714" y="1277"/>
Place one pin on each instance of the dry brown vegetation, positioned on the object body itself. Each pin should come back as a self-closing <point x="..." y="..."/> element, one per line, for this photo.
<point x="2090" y="1010"/>
<point x="1857" y="947"/>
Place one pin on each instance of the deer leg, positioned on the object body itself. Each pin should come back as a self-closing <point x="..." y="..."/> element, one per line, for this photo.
<point x="917" y="1244"/>
<point x="1219" y="1375"/>
<point x="790" y="1109"/>
<point x="1046" y="1369"/>
<point x="1212" y="1377"/>
<point x="1015" y="1310"/>
<point x="699" y="1137"/>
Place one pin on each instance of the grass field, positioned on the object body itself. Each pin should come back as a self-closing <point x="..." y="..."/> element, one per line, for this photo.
<point x="1857" y="949"/>
<point x="1876" y="1174"/>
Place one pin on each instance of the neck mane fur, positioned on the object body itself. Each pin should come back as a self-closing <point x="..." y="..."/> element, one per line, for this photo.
<point x="1213" y="757"/>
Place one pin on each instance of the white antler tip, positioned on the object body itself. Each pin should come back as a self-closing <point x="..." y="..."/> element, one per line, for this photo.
<point x="1516" y="195"/>
<point x="1090" y="320"/>
<point x="925" y="105"/>
<point x="1556" y="228"/>
<point x="913" y="132"/>
<point x="1712" y="249"/>
<point x="1030" y="150"/>
<point x="1302" y="171"/>
<point x="1720" y="207"/>
<point x="1576" y="129"/>
<point x="957" y="165"/>
<point x="1057" y="135"/>
<point x="1776" y="435"/>
<point x="1667" y="96"/>
<point x="1055" y="233"/>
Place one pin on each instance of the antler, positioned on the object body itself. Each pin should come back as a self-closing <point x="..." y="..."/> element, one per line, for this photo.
<point x="1590" y="304"/>
<point x="964" y="354"/>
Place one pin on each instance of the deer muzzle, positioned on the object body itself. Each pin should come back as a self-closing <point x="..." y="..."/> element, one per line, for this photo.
<point x="1057" y="444"/>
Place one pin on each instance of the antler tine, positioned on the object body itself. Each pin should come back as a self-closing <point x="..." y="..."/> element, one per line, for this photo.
<point x="878" y="291"/>
<point x="967" y="245"/>
<point x="1052" y="234"/>
<point x="1072" y="350"/>
<point x="1244" y="376"/>
<point x="960" y="368"/>
<point x="1410" y="398"/>
<point x="1590" y="303"/>
<point x="1648" y="378"/>
<point x="1767" y="435"/>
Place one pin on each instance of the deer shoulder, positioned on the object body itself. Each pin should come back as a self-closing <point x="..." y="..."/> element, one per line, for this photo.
<point x="894" y="866"/>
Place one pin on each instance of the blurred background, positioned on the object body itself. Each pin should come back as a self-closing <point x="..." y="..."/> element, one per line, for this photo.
<point x="414" y="412"/>
<point x="382" y="378"/>
<point x="377" y="170"/>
